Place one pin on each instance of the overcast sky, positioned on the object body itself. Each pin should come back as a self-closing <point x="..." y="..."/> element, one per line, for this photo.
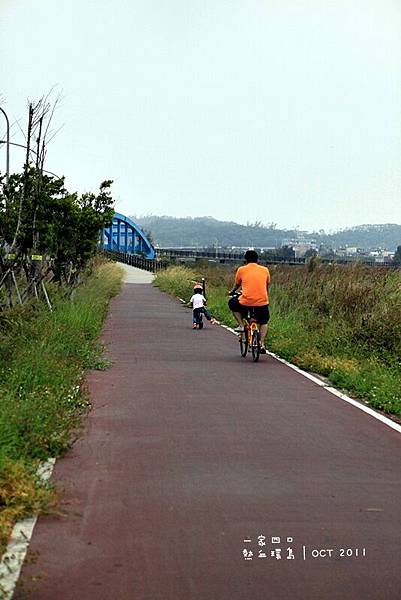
<point x="284" y="111"/>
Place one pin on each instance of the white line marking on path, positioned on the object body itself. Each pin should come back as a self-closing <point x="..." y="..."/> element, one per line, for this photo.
<point x="14" y="556"/>
<point x="331" y="389"/>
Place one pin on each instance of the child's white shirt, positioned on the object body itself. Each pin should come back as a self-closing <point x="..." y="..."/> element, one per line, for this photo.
<point x="198" y="301"/>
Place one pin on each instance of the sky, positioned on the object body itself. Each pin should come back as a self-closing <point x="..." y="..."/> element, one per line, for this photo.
<point x="279" y="111"/>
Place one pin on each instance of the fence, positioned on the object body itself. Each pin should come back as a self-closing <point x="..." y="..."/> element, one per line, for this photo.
<point x="169" y="256"/>
<point x="235" y="257"/>
<point x="146" y="264"/>
<point x="223" y="257"/>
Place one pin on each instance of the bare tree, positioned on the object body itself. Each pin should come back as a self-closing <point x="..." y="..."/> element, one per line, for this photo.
<point x="38" y="135"/>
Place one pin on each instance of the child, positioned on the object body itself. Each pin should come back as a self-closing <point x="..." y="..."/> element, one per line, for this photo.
<point x="198" y="302"/>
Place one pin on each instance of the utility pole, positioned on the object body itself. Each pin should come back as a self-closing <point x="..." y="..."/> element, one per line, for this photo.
<point x="7" y="145"/>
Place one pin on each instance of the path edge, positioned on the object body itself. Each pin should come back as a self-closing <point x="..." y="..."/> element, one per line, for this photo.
<point x="332" y="390"/>
<point x="14" y="556"/>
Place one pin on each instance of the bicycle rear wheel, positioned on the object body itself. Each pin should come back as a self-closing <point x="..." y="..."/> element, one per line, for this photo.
<point x="243" y="342"/>
<point x="255" y="345"/>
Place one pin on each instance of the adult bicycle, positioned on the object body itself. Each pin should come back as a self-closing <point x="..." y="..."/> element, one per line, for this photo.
<point x="249" y="339"/>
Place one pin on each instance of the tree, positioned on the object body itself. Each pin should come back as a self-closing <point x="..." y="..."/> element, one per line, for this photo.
<point x="397" y="256"/>
<point x="310" y="252"/>
<point x="45" y="231"/>
<point x="287" y="253"/>
<point x="61" y="226"/>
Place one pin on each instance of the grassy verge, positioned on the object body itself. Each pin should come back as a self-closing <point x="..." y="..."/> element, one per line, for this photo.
<point x="43" y="358"/>
<point x="340" y="322"/>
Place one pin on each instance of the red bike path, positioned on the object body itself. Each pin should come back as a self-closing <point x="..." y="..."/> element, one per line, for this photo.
<point x="191" y="450"/>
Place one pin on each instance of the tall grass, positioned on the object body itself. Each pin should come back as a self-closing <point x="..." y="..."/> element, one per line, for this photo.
<point x="43" y="357"/>
<point x="363" y="303"/>
<point x="343" y="322"/>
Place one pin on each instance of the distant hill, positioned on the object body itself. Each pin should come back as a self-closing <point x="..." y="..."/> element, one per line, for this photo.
<point x="386" y="236"/>
<point x="207" y="231"/>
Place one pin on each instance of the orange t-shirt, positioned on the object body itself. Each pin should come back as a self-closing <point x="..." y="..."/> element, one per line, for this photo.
<point x="253" y="279"/>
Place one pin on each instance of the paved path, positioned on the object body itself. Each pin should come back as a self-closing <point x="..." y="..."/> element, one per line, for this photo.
<point x="134" y="275"/>
<point x="189" y="451"/>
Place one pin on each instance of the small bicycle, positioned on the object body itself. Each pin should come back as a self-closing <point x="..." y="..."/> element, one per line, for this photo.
<point x="199" y="320"/>
<point x="200" y="312"/>
<point x="249" y="339"/>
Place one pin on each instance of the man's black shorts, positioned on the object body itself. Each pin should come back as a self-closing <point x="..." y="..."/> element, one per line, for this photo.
<point x="261" y="313"/>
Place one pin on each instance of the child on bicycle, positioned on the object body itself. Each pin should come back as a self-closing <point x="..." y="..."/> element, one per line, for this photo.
<point x="198" y="302"/>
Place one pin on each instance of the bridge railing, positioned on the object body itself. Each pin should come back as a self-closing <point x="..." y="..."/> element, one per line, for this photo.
<point x="167" y="256"/>
<point x="222" y="256"/>
<point x="235" y="257"/>
<point x="135" y="260"/>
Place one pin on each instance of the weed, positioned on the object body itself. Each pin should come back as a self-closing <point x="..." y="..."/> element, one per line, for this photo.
<point x="42" y="361"/>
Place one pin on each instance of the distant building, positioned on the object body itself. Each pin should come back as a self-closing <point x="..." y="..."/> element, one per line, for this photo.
<point x="380" y="255"/>
<point x="300" y="246"/>
<point x="301" y="249"/>
<point x="349" y="251"/>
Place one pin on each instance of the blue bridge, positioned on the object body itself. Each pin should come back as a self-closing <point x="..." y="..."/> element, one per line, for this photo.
<point x="126" y="236"/>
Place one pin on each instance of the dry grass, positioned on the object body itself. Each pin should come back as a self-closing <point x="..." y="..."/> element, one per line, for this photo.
<point x="21" y="495"/>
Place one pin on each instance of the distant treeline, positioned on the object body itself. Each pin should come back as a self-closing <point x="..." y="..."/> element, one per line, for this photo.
<point x="207" y="231"/>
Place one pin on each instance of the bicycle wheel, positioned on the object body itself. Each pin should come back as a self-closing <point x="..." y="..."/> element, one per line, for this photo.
<point x="200" y="322"/>
<point x="243" y="342"/>
<point x="255" y="345"/>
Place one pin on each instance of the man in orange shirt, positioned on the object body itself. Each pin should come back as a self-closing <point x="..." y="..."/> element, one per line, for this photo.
<point x="254" y="281"/>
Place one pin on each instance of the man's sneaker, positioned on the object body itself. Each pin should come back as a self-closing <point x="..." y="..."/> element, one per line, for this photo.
<point x="262" y="350"/>
<point x="193" y="325"/>
<point x="239" y="329"/>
